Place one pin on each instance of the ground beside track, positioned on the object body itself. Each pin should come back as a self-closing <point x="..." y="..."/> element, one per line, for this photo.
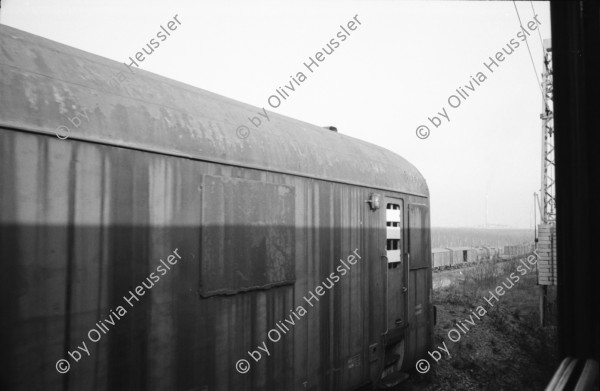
<point x="506" y="350"/>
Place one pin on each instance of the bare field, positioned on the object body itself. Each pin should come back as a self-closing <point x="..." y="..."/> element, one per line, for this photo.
<point x="474" y="237"/>
<point x="505" y="349"/>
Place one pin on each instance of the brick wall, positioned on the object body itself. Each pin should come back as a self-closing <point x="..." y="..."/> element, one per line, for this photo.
<point x="546" y="249"/>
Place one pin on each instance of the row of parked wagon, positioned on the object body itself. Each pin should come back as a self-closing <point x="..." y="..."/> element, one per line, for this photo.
<point x="453" y="257"/>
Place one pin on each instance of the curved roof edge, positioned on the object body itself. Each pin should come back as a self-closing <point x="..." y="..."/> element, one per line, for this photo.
<point x="44" y="83"/>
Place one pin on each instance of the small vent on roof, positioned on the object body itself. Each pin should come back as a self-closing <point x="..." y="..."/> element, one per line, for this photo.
<point x="332" y="128"/>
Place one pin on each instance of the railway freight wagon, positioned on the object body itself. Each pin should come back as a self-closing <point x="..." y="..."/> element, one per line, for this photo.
<point x="156" y="248"/>
<point x="470" y="254"/>
<point x="518" y="250"/>
<point x="441" y="258"/>
<point x="462" y="255"/>
<point x="488" y="253"/>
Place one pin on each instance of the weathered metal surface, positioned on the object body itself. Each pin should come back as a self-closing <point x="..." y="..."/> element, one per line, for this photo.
<point x="45" y="83"/>
<point x="84" y="223"/>
<point x="247" y="235"/>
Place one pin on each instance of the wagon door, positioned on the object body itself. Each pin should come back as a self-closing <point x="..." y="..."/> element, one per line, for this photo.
<point x="396" y="292"/>
<point x="419" y="280"/>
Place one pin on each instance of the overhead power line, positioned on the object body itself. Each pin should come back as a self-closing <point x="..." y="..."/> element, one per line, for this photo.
<point x="528" y="50"/>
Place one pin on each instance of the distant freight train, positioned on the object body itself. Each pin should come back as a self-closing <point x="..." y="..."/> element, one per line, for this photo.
<point x="453" y="257"/>
<point x="154" y="249"/>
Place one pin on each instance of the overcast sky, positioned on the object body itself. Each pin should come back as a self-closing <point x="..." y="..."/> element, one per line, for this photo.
<point x="394" y="71"/>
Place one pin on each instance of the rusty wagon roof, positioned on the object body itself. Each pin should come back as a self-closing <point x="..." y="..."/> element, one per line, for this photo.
<point x="43" y="83"/>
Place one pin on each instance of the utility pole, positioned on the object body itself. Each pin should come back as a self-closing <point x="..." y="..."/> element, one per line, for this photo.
<point x="547" y="117"/>
<point x="546" y="241"/>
